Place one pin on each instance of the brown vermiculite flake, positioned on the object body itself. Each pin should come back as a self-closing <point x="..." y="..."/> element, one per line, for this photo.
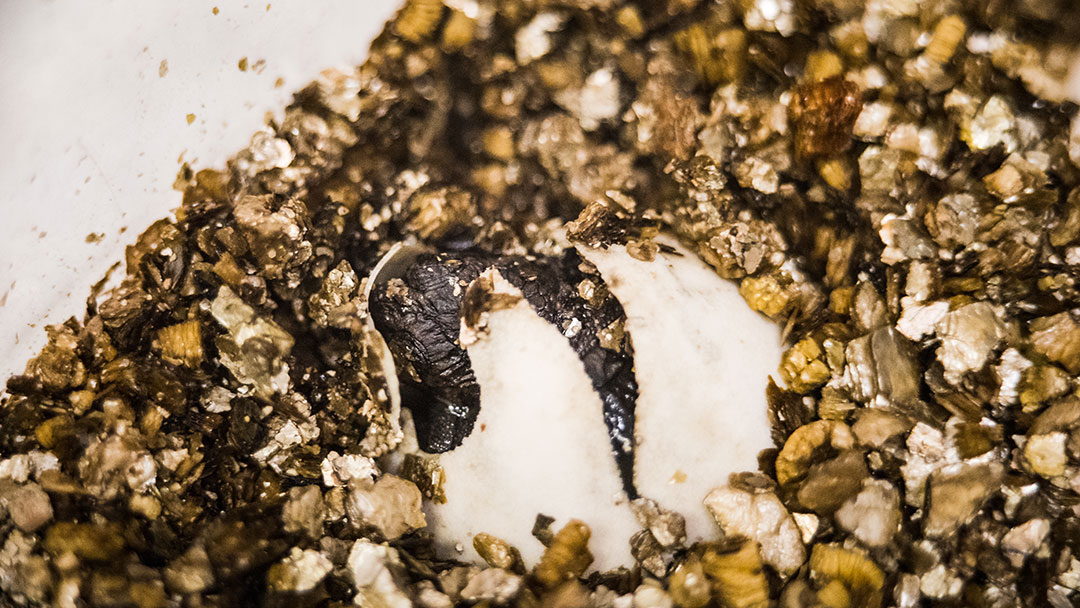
<point x="895" y="183"/>
<point x="567" y="557"/>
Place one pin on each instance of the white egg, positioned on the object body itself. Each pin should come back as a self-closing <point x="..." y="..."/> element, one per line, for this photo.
<point x="702" y="359"/>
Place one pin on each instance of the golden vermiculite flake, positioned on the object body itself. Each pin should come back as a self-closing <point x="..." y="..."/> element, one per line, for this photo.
<point x="737" y="575"/>
<point x="182" y="343"/>
<point x="894" y="183"/>
<point x="418" y="19"/>
<point x="567" y="557"/>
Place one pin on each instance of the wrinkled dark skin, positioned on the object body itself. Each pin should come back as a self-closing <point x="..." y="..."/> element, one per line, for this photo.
<point x="422" y="330"/>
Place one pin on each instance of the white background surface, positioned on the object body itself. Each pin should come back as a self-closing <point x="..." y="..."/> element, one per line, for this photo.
<point x="90" y="134"/>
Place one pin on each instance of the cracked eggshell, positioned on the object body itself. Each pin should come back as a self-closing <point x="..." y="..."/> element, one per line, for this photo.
<point x="539" y="446"/>
<point x="702" y="359"/>
<point x="392" y="264"/>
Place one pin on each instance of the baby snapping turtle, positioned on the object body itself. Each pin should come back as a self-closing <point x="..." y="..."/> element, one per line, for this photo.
<point x="420" y="316"/>
<point x="544" y="385"/>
